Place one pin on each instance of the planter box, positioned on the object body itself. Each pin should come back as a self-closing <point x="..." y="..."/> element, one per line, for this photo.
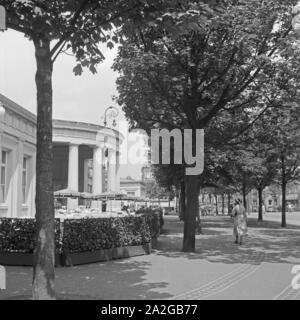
<point x="70" y="259"/>
<point x="21" y="259"/>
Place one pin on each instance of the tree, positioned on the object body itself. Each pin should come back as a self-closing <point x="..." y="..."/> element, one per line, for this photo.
<point x="263" y="155"/>
<point x="154" y="191"/>
<point x="287" y="146"/>
<point x="169" y="178"/>
<point x="264" y="176"/>
<point x="278" y="131"/>
<point x="276" y="149"/>
<point x="54" y="27"/>
<point x="219" y="63"/>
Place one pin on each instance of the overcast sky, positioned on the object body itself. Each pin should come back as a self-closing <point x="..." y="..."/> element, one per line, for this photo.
<point x="82" y="98"/>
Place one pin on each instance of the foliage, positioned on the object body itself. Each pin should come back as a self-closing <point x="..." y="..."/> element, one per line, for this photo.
<point x="168" y="176"/>
<point x="155" y="221"/>
<point x="82" y="235"/>
<point x="18" y="235"/>
<point x="217" y="74"/>
<point x="76" y="27"/>
<point x="287" y="144"/>
<point x="188" y="80"/>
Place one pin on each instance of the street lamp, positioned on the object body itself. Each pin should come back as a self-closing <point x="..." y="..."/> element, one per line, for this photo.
<point x="114" y="112"/>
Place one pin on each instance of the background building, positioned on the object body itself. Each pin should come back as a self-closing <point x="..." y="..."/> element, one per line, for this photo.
<point x="147" y="173"/>
<point x="17" y="159"/>
<point x="86" y="159"/>
<point x="133" y="188"/>
<point x="272" y="198"/>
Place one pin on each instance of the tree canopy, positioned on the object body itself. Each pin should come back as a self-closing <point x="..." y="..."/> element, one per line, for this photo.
<point x="219" y="72"/>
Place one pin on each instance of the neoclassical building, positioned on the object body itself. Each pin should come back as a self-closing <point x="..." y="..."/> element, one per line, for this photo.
<point x="132" y="187"/>
<point x="86" y="159"/>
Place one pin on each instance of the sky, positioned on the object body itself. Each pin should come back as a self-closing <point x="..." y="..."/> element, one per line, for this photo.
<point x="78" y="98"/>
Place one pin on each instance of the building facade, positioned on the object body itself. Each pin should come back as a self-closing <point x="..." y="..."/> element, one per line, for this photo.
<point x="85" y="159"/>
<point x="147" y="174"/>
<point x="17" y="159"/>
<point x="133" y="188"/>
<point x="272" y="198"/>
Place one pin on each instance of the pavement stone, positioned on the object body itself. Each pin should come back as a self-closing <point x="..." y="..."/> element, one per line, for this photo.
<point x="219" y="269"/>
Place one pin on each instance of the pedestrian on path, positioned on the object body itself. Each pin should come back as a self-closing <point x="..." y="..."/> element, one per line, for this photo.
<point x="240" y="221"/>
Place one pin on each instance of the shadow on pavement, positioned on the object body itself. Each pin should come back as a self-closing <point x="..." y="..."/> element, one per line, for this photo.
<point x="266" y="242"/>
<point x="124" y="278"/>
<point x="134" y="278"/>
<point x="118" y="279"/>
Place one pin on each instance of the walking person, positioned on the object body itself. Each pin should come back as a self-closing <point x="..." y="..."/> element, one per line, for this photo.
<point x="240" y="221"/>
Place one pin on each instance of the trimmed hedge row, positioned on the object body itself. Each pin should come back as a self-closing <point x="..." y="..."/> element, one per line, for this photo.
<point x="96" y="234"/>
<point x="82" y="235"/>
<point x="154" y="223"/>
<point x="18" y="235"/>
<point x="155" y="220"/>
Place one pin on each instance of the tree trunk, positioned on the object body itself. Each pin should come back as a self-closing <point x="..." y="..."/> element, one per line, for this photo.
<point x="260" y="203"/>
<point x="43" y="266"/>
<point x="283" y="210"/>
<point x="283" y="192"/>
<point x="182" y="201"/>
<point x="229" y="203"/>
<point x="223" y="204"/>
<point x="216" y="203"/>
<point x="244" y="195"/>
<point x="191" y="212"/>
<point x="177" y="200"/>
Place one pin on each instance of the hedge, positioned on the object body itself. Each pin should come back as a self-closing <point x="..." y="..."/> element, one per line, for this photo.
<point x="151" y="211"/>
<point x="18" y="235"/>
<point x="81" y="235"/>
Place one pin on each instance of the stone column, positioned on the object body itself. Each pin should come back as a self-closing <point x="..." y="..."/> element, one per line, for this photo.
<point x="0" y="149"/>
<point x="73" y="173"/>
<point x="118" y="171"/>
<point x="111" y="170"/>
<point x="114" y="205"/>
<point x="97" y="175"/>
<point x="32" y="185"/>
<point x="2" y="112"/>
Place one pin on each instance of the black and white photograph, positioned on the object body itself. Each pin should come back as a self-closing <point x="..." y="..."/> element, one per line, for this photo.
<point x="149" y="153"/>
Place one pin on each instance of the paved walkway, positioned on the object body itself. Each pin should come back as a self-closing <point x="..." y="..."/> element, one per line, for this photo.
<point x="219" y="269"/>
